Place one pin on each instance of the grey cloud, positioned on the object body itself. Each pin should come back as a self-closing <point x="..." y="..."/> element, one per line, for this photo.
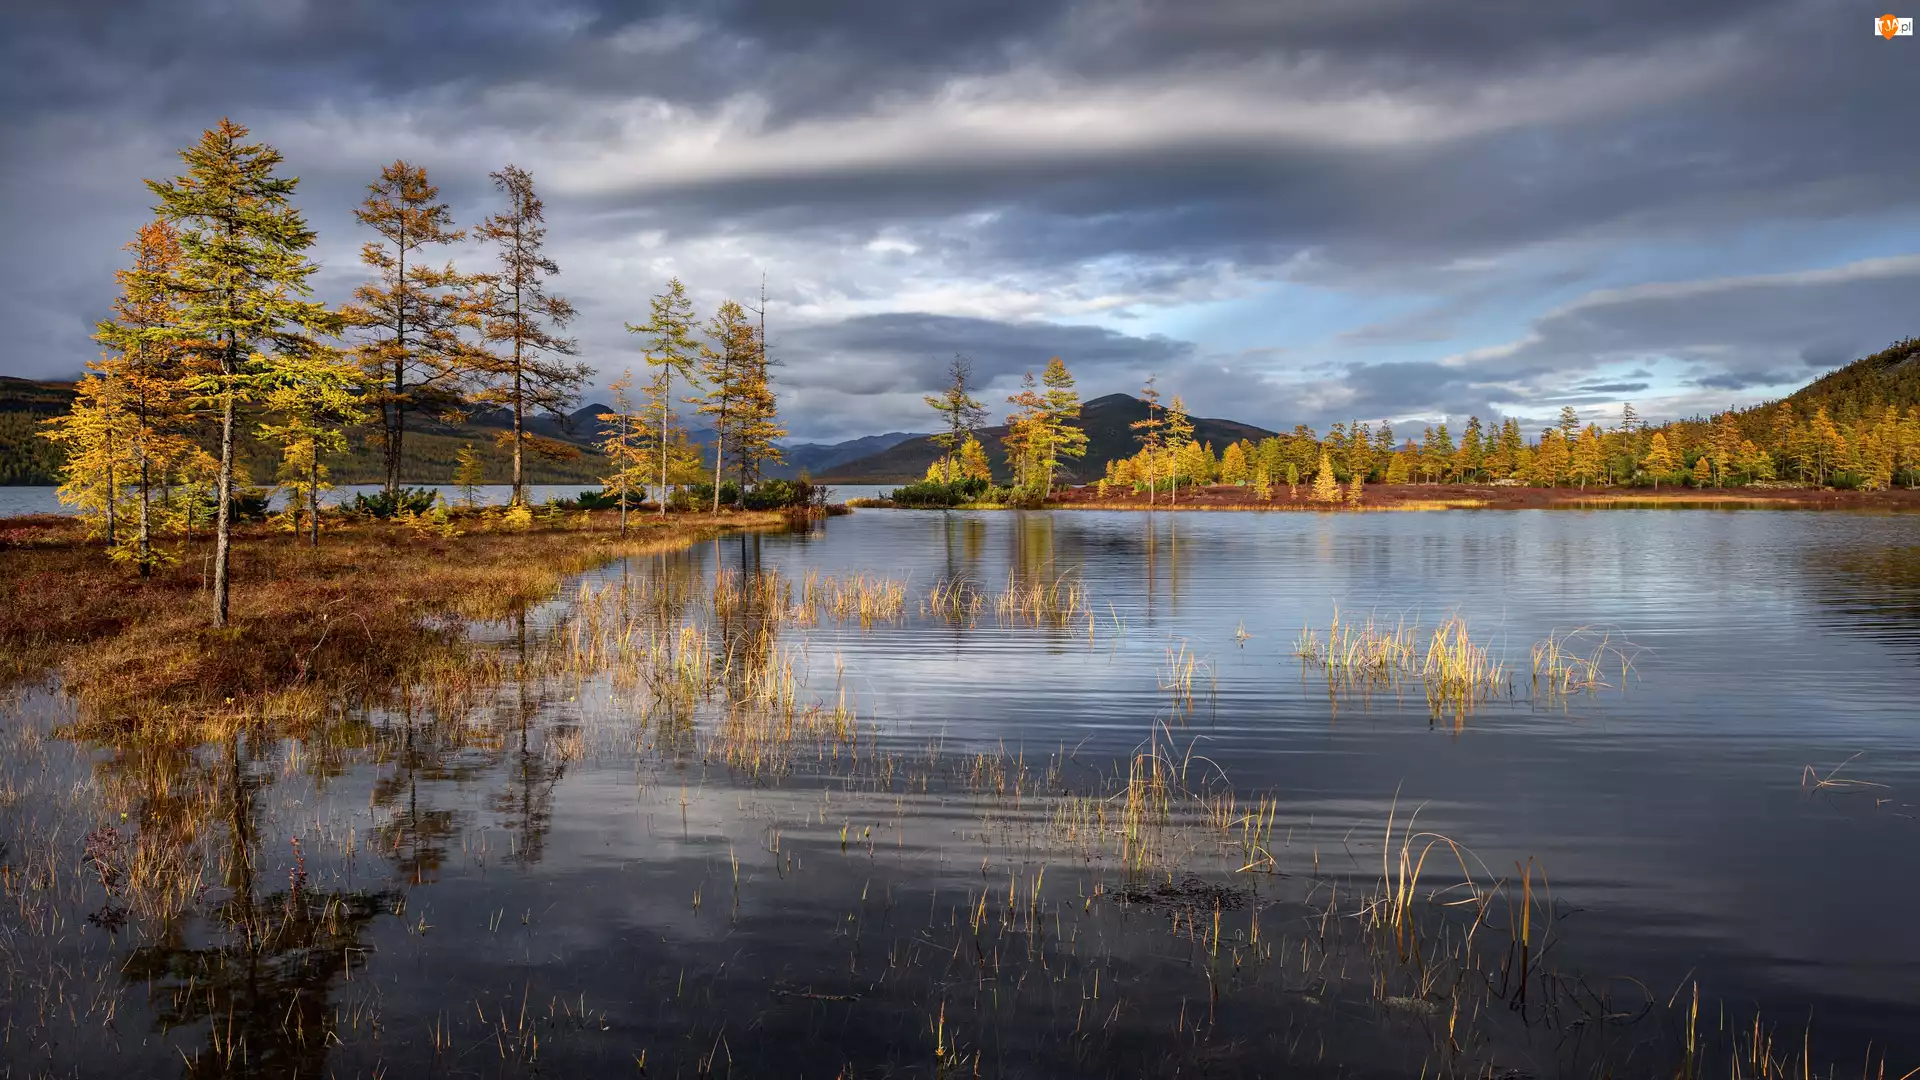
<point x="1750" y="328"/>
<point x="872" y="370"/>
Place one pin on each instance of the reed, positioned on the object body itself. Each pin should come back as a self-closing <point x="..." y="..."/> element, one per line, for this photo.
<point x="1036" y="601"/>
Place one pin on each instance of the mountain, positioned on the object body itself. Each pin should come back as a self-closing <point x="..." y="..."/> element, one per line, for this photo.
<point x="1866" y="386"/>
<point x="817" y="458"/>
<point x="807" y="457"/>
<point x="1106" y="420"/>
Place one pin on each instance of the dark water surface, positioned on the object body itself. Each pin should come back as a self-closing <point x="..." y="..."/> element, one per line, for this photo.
<point x="573" y="878"/>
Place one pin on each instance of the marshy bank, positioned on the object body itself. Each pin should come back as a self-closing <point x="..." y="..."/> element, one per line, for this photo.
<point x="378" y="605"/>
<point x="1035" y="795"/>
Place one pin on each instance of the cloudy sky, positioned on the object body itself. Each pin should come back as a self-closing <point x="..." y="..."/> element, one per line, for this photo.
<point x="1290" y="210"/>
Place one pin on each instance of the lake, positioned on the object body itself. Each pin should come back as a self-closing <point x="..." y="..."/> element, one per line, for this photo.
<point x="1115" y="828"/>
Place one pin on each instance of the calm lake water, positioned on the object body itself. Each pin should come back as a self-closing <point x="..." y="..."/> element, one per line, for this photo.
<point x="576" y="876"/>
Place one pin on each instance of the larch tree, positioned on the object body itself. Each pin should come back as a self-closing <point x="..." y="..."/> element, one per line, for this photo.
<point x="96" y="432"/>
<point x="1179" y="435"/>
<point x="726" y="365"/>
<point x="242" y="280"/>
<point x="1233" y="465"/>
<point x="671" y="350"/>
<point x="415" y="357"/>
<point x="153" y="379"/>
<point x="961" y="414"/>
<point x="1659" y="461"/>
<point x="1151" y="434"/>
<point x="1025" y="443"/>
<point x="521" y="323"/>
<point x="312" y="397"/>
<point x="1065" y="437"/>
<point x="756" y="427"/>
<point x="1588" y="459"/>
<point x="1326" y="488"/>
<point x="622" y="443"/>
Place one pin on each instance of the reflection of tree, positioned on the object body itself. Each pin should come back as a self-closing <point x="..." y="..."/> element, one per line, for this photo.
<point x="527" y="800"/>
<point x="263" y="987"/>
<point x="264" y="991"/>
<point x="966" y="541"/>
<point x="1874" y="590"/>
<point x="414" y="837"/>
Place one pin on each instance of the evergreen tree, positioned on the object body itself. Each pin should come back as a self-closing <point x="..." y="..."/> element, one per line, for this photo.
<point x="1179" y="435"/>
<point x="1588" y="459"/>
<point x="468" y="475"/>
<point x="242" y="280"/>
<point x="961" y="414"/>
<point x="152" y="381"/>
<point x="1326" y="488"/>
<point x="1659" y="461"/>
<point x="1152" y="434"/>
<point x="622" y="444"/>
<point x="1233" y="465"/>
<point x="1569" y="423"/>
<point x="1065" y="439"/>
<point x="1470" y="457"/>
<point x="726" y="367"/>
<point x="521" y="322"/>
<point x="313" y="397"/>
<point x="415" y="356"/>
<point x="671" y="350"/>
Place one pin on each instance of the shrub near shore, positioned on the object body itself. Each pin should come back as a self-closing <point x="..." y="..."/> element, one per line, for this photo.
<point x="374" y="611"/>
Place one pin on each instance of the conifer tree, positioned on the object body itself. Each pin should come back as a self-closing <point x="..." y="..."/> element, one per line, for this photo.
<point x="1569" y="423"/>
<point x="1326" y="489"/>
<point x="973" y="461"/>
<point x="1702" y="472"/>
<point x="960" y="412"/>
<point x="95" y="432"/>
<point x="243" y="282"/>
<point x="313" y="396"/>
<point x="671" y="350"/>
<point x="1025" y="441"/>
<point x="415" y="358"/>
<point x="1659" y="460"/>
<point x="521" y="322"/>
<point x="153" y="379"/>
<point x="1152" y="434"/>
<point x="468" y="475"/>
<point x="1179" y="435"/>
<point x="622" y="444"/>
<point x="1233" y="465"/>
<point x="727" y="366"/>
<point x="754" y="437"/>
<point x="1587" y="460"/>
<point x="1470" y="457"/>
<point x="1065" y="438"/>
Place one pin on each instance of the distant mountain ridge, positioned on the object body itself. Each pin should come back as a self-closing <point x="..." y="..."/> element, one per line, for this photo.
<point x="1110" y="436"/>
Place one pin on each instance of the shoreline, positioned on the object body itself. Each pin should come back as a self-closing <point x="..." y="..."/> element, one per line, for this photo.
<point x="1416" y="497"/>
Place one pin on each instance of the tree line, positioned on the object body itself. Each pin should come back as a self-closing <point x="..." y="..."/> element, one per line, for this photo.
<point x="1857" y="428"/>
<point x="215" y="333"/>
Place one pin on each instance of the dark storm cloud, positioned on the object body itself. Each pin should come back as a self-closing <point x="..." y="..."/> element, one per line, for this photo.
<point x="1126" y="154"/>
<point x="909" y="352"/>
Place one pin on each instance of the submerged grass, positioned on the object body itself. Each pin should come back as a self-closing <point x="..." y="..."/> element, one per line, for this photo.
<point x="377" y="607"/>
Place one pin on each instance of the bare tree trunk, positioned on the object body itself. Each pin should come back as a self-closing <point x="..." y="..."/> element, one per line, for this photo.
<point x="113" y="524"/>
<point x="397" y="426"/>
<point x="313" y="496"/>
<point x="719" y="446"/>
<point x="666" y="411"/>
<point x="223" y="489"/>
<point x="517" y="497"/>
<point x="627" y="465"/>
<point x="144" y="543"/>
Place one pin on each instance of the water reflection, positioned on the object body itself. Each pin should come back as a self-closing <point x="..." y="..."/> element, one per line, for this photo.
<point x="746" y="830"/>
